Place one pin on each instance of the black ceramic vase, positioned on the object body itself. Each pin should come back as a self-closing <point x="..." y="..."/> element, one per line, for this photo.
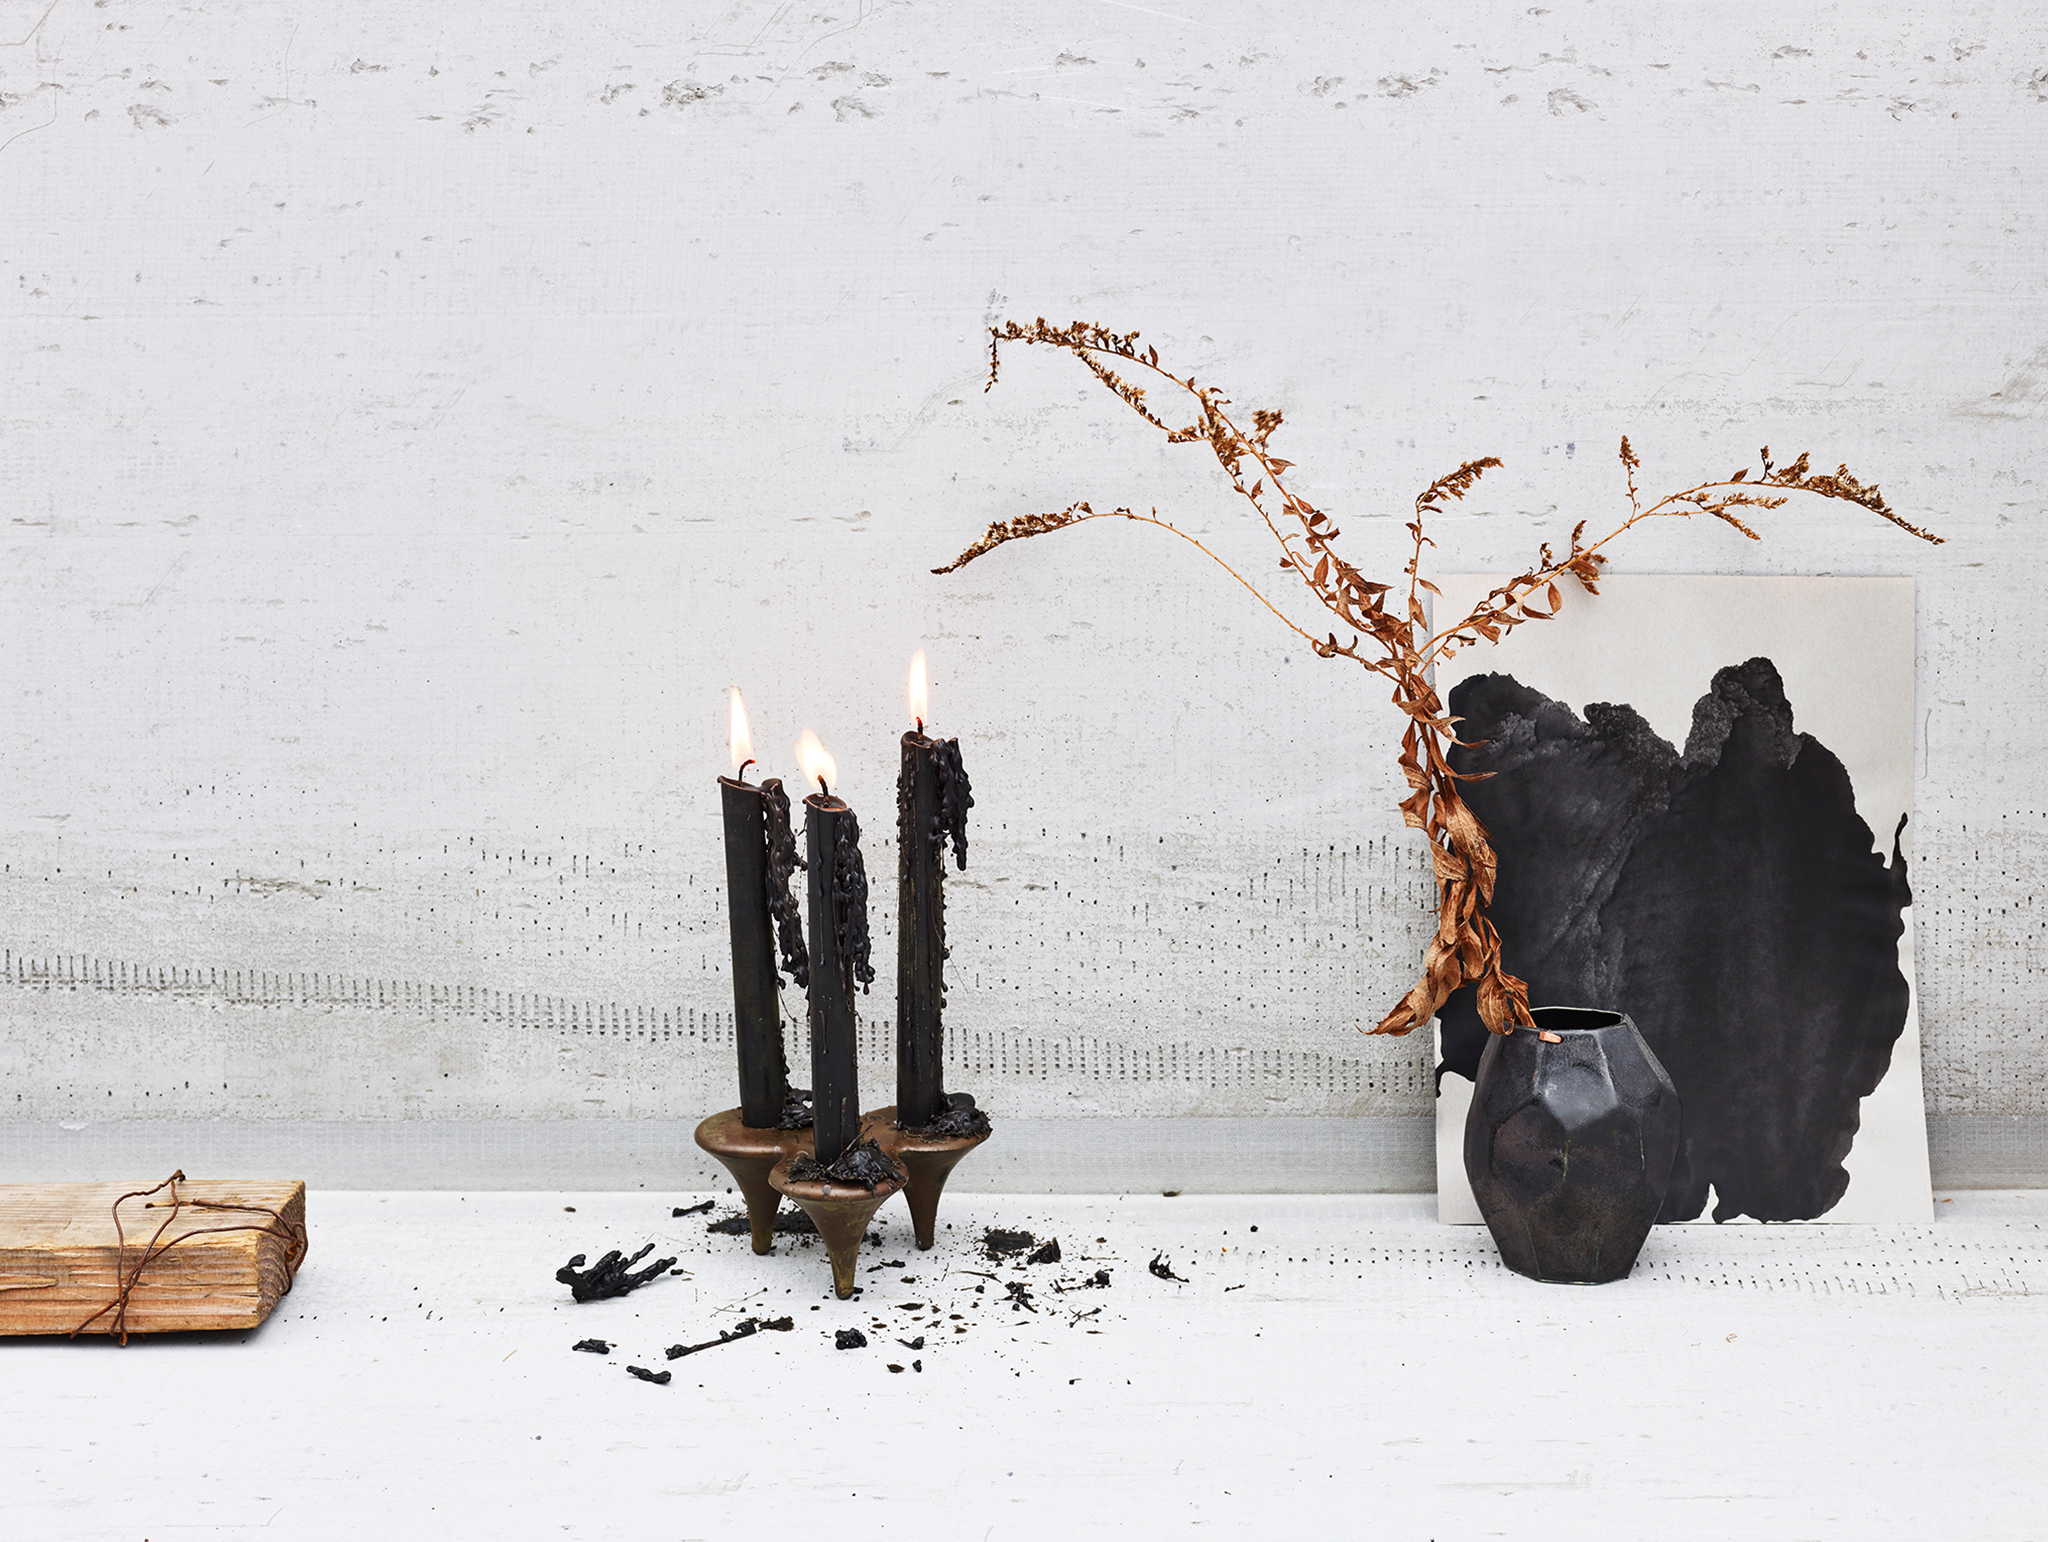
<point x="1569" y="1143"/>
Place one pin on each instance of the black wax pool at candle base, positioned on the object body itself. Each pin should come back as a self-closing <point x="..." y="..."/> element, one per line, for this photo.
<point x="757" y="1006"/>
<point x="839" y="961"/>
<point x="932" y="799"/>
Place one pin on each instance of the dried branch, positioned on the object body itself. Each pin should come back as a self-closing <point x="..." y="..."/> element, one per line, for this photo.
<point x="1400" y="647"/>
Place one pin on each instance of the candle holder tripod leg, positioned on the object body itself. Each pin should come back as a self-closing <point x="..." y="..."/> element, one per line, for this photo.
<point x="928" y="1159"/>
<point x="750" y="1155"/>
<point x="840" y="1211"/>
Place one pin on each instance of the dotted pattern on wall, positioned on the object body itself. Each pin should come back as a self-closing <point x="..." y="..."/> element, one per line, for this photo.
<point x="1165" y="976"/>
<point x="1981" y="935"/>
<point x="976" y="1058"/>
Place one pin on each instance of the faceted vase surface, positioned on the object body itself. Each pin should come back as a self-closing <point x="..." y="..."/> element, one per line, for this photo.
<point x="1569" y="1144"/>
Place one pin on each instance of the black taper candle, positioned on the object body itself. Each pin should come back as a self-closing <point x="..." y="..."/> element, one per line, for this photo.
<point x="839" y="960"/>
<point x="932" y="799"/>
<point x="756" y="1006"/>
<point x="920" y="937"/>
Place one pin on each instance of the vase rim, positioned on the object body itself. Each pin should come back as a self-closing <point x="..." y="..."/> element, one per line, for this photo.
<point x="1559" y="1019"/>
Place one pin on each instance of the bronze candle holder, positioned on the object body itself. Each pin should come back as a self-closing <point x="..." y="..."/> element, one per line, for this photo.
<point x="840" y="1211"/>
<point x="750" y="1155"/>
<point x="928" y="1159"/>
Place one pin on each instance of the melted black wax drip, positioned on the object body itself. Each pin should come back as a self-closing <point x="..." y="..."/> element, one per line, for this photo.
<point x="783" y="865"/>
<point x="956" y="797"/>
<point x="850" y="904"/>
<point x="796" y="1110"/>
<point x="1729" y="900"/>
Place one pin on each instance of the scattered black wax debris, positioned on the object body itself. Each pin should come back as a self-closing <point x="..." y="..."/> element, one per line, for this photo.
<point x="592" y="1346"/>
<point x="916" y="1343"/>
<point x="789" y="1223"/>
<point x="999" y="1243"/>
<point x="849" y="1338"/>
<point x="1169" y="1193"/>
<point x="570" y="1208"/>
<point x="746" y="1328"/>
<point x="1020" y="1295"/>
<point x="1164" y="1270"/>
<point x="659" y="1378"/>
<point x="894" y="1368"/>
<point x="678" y="1214"/>
<point x="610" y="1276"/>
<point x="1099" y="1279"/>
<point x="917" y="1366"/>
<point x="1049" y="1254"/>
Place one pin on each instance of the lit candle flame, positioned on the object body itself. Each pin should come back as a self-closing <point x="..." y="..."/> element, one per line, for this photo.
<point x="817" y="765"/>
<point x="920" y="692"/>
<point x="742" y="740"/>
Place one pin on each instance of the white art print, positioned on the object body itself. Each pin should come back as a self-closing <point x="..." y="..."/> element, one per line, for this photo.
<point x="1698" y="798"/>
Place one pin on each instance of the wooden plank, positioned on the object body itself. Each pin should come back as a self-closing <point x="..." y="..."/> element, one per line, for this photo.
<point x="63" y="1259"/>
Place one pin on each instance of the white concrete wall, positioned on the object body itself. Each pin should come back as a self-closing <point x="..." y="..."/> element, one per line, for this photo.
<point x="413" y="417"/>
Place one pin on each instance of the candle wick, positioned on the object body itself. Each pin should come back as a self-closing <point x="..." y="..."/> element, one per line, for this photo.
<point x="823" y="789"/>
<point x="920" y="728"/>
<point x="741" y="774"/>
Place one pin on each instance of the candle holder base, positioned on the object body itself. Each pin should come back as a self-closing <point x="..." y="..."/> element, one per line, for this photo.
<point x="928" y="1159"/>
<point x="840" y="1211"/>
<point x="749" y="1155"/>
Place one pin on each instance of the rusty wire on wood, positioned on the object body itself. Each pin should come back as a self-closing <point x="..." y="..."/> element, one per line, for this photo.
<point x="126" y="1280"/>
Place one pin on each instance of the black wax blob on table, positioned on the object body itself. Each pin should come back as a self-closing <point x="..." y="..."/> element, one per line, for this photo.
<point x="1729" y="899"/>
<point x="612" y="1275"/>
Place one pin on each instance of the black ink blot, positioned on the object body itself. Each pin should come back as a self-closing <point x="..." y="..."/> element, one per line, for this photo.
<point x="1729" y="900"/>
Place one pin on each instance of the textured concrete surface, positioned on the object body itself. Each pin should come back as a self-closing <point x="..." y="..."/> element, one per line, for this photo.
<point x="411" y="421"/>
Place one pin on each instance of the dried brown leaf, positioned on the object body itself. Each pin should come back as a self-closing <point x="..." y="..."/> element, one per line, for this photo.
<point x="1465" y="949"/>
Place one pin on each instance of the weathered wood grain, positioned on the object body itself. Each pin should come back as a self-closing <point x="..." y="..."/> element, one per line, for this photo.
<point x="63" y="1259"/>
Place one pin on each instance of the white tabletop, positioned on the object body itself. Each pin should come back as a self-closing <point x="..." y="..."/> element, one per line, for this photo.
<point x="1350" y="1365"/>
